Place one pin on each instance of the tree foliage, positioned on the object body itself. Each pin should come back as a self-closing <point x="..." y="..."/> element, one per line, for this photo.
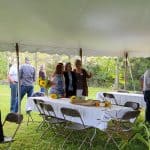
<point x="104" y="71"/>
<point x="138" y="67"/>
<point x="3" y="66"/>
<point x="102" y="68"/>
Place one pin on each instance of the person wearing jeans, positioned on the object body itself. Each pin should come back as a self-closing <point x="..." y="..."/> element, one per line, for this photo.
<point x="27" y="78"/>
<point x="13" y="80"/>
<point x="146" y="89"/>
<point x="26" y="90"/>
<point x="14" y="93"/>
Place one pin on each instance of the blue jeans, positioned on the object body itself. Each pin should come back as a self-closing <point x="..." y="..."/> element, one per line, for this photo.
<point x="24" y="90"/>
<point x="42" y="89"/>
<point x="14" y="93"/>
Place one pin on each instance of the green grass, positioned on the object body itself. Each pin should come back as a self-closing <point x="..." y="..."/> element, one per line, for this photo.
<point x="28" y="138"/>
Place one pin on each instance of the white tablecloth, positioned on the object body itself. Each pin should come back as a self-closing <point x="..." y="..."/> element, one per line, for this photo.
<point x="97" y="117"/>
<point x="124" y="97"/>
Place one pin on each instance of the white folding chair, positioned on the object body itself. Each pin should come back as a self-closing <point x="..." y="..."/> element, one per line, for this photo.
<point x="50" y="118"/>
<point x="38" y="105"/>
<point x="117" y="126"/>
<point x="133" y="105"/>
<point x="77" y="127"/>
<point x="110" y="97"/>
<point x="12" y="118"/>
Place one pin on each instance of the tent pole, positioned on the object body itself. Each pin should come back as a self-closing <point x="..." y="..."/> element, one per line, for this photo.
<point x="131" y="74"/>
<point x="125" y="73"/>
<point x="17" y="55"/>
<point x="80" y="53"/>
<point x="35" y="61"/>
<point x="117" y="74"/>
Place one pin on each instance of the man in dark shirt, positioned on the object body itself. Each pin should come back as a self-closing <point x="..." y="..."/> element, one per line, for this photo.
<point x="27" y="78"/>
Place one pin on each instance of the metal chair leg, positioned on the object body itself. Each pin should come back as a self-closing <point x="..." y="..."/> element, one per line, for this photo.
<point x="47" y="129"/>
<point x="90" y="139"/>
<point x="66" y="139"/>
<point x="29" y="116"/>
<point x="82" y="143"/>
<point x="110" y="138"/>
<point x="40" y="125"/>
<point x="115" y="143"/>
<point x="107" y="143"/>
<point x="93" y="136"/>
<point x="44" y="131"/>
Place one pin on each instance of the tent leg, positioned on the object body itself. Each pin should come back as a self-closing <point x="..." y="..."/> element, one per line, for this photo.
<point x="116" y="85"/>
<point x="17" y="55"/>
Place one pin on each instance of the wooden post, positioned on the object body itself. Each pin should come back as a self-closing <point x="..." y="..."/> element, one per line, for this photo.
<point x="126" y="67"/>
<point x="130" y="71"/>
<point x="80" y="53"/>
<point x="117" y="74"/>
<point x="19" y="100"/>
<point x="36" y="63"/>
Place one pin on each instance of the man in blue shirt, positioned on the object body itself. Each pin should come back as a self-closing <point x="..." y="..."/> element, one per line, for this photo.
<point x="27" y="78"/>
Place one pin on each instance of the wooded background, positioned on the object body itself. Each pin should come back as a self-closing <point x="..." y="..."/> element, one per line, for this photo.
<point x="102" y="68"/>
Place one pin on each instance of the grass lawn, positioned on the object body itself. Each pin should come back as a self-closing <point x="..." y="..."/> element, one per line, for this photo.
<point x="28" y="138"/>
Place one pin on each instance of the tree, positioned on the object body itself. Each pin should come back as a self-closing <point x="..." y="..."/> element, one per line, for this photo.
<point x="3" y="66"/>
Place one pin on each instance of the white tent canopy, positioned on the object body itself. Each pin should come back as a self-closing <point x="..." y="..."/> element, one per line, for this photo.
<point x="99" y="27"/>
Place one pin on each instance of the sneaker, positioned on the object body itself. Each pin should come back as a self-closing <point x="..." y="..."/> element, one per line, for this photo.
<point x="7" y="139"/>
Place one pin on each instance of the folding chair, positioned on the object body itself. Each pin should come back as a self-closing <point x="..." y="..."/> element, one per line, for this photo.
<point x="28" y="112"/>
<point x="75" y="126"/>
<point x="123" y="91"/>
<point x="133" y="105"/>
<point x="12" y="118"/>
<point x="117" y="127"/>
<point x="50" y="118"/>
<point x="110" y="97"/>
<point x="38" y="105"/>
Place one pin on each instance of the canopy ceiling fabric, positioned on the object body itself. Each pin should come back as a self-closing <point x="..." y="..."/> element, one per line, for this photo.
<point x="99" y="27"/>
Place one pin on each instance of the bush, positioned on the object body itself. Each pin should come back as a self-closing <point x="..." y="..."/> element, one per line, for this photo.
<point x="3" y="66"/>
